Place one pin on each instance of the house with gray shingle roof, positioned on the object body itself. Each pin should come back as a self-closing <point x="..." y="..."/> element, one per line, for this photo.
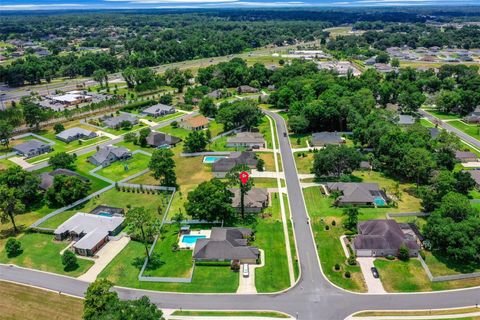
<point x="76" y="133"/>
<point x="159" y="139"/>
<point x="247" y="89"/>
<point x="358" y="193"/>
<point x="107" y="155"/>
<point x="405" y="120"/>
<point x="115" y="122"/>
<point x="222" y="166"/>
<point x="380" y="238"/>
<point x="158" y="110"/>
<point x="247" y="139"/>
<point x="320" y="139"/>
<point x="255" y="200"/>
<point x="226" y="244"/>
<point x="47" y="178"/>
<point x="32" y="148"/>
<point x="466" y="156"/>
<point x="89" y="231"/>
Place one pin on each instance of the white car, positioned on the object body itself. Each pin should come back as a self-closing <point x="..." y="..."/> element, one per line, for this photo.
<point x="245" y="270"/>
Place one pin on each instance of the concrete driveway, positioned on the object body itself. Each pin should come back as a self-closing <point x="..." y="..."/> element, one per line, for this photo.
<point x="247" y="285"/>
<point x="373" y="285"/>
<point x="105" y="255"/>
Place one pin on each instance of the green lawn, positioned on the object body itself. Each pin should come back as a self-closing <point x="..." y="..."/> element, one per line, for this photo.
<point x="471" y="130"/>
<point x="269" y="159"/>
<point x="442" y="115"/>
<point x="440" y="265"/>
<point x="426" y="123"/>
<point x="299" y="140"/>
<point x="120" y="131"/>
<point x="40" y="251"/>
<point x="122" y="169"/>
<point x="173" y="263"/>
<point x="123" y="271"/>
<point x="399" y="276"/>
<point x="267" y="314"/>
<point x="264" y="128"/>
<point x="221" y="145"/>
<point x="304" y="161"/>
<point x="274" y="276"/>
<point x="267" y="182"/>
<point x="114" y="198"/>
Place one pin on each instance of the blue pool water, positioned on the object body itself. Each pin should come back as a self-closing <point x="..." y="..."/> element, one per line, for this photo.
<point x="212" y="159"/>
<point x="105" y="214"/>
<point x="379" y="201"/>
<point x="192" y="239"/>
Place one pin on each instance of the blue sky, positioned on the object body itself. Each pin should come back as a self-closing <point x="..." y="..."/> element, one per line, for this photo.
<point x="137" y="4"/>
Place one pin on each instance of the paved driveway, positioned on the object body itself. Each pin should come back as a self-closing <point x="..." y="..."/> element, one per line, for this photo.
<point x="373" y="285"/>
<point x="247" y="285"/>
<point x="105" y="255"/>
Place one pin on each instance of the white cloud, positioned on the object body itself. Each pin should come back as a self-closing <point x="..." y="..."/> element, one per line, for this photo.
<point x="39" y="6"/>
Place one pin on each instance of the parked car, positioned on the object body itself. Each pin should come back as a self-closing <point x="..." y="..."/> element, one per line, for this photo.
<point x="245" y="271"/>
<point x="375" y="272"/>
<point x="284" y="134"/>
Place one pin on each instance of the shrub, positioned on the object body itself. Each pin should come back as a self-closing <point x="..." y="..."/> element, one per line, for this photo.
<point x="347" y="274"/>
<point x="13" y="247"/>
<point x="327" y="228"/>
<point x="174" y="124"/>
<point x="235" y="266"/>
<point x="422" y="254"/>
<point x="352" y="260"/>
<point x="390" y="257"/>
<point x="403" y="253"/>
<point x="69" y="260"/>
<point x="334" y="223"/>
<point x="337" y="266"/>
<point x="175" y="247"/>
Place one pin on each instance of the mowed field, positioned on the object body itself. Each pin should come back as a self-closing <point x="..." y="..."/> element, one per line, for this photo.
<point x="36" y="304"/>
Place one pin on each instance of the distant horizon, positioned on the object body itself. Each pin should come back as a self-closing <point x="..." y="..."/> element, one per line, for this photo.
<point x="84" y="5"/>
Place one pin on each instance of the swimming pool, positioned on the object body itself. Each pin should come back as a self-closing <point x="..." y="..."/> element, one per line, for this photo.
<point x="379" y="201"/>
<point x="212" y="159"/>
<point x="190" y="240"/>
<point x="105" y="214"/>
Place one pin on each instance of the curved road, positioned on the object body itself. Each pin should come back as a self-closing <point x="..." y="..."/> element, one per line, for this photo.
<point x="313" y="297"/>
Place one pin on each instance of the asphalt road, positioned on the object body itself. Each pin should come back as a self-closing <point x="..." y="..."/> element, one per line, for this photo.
<point x="313" y="297"/>
<point x="462" y="135"/>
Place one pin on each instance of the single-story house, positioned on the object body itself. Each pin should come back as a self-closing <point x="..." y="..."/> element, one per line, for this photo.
<point x="76" y="133"/>
<point x="475" y="174"/>
<point x="473" y="117"/>
<point x="380" y="238"/>
<point x="434" y="132"/>
<point x="194" y="123"/>
<point x="247" y="139"/>
<point x="255" y="200"/>
<point x="158" y="110"/>
<point x="71" y="98"/>
<point x="115" y="122"/>
<point x="365" y="165"/>
<point x="358" y="193"/>
<point x="46" y="178"/>
<point x="217" y="94"/>
<point x="109" y="154"/>
<point x="158" y="139"/>
<point x="108" y="211"/>
<point x="226" y="244"/>
<point x="222" y="166"/>
<point x="32" y="148"/>
<point x="466" y="156"/>
<point x="320" y="139"/>
<point x="405" y="120"/>
<point x="247" y="89"/>
<point x="89" y="231"/>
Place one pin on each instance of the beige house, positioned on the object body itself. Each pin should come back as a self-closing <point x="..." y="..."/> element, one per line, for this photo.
<point x="194" y="123"/>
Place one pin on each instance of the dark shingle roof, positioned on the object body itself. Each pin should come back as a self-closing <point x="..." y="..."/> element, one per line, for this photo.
<point x="103" y="153"/>
<point x="254" y="198"/>
<point x="46" y="178"/>
<point x="29" y="145"/>
<point x="159" y="138"/>
<point x="353" y="192"/>
<point x="235" y="159"/>
<point x="324" y="138"/>
<point x="381" y="234"/>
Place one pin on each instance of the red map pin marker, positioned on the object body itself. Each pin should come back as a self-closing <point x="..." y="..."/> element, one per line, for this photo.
<point x="244" y="177"/>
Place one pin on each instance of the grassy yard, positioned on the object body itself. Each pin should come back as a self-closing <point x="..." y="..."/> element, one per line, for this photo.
<point x="441" y="266"/>
<point x="299" y="140"/>
<point x="471" y="130"/>
<point x="426" y="123"/>
<point x="267" y="314"/>
<point x="265" y="129"/>
<point x="399" y="276"/>
<point x="173" y="263"/>
<point x="269" y="159"/>
<point x="123" y="270"/>
<point x="37" y="304"/>
<point x="269" y="236"/>
<point x="40" y="251"/>
<point x="304" y="161"/>
<point x="117" y="170"/>
<point x="442" y="115"/>
<point x="457" y="311"/>
<point x="267" y="182"/>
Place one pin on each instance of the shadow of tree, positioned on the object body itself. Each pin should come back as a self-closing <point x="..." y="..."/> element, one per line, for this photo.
<point x="7" y="233"/>
<point x="463" y="267"/>
<point x="14" y="254"/>
<point x="71" y="268"/>
<point x="154" y="262"/>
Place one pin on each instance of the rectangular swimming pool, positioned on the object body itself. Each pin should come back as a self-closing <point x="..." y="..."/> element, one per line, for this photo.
<point x="212" y="159"/>
<point x="105" y="214"/>
<point x="190" y="240"/>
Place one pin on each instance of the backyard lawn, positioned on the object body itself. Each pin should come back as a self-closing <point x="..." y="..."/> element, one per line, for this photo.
<point x="120" y="170"/>
<point x="123" y="270"/>
<point x="471" y="130"/>
<point x="426" y="123"/>
<point x="274" y="276"/>
<point x="40" y="251"/>
<point x="269" y="159"/>
<point x="442" y="115"/>
<point x="299" y="140"/>
<point x="399" y="276"/>
<point x="304" y="161"/>
<point x="37" y="304"/>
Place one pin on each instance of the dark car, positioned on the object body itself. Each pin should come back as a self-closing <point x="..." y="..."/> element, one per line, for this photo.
<point x="375" y="272"/>
<point x="284" y="134"/>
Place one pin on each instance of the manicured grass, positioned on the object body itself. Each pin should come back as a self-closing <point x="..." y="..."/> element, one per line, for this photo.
<point x="173" y="263"/>
<point x="117" y="171"/>
<point x="177" y="132"/>
<point x="426" y="123"/>
<point x="442" y="115"/>
<point x="220" y="144"/>
<point x="274" y="276"/>
<point x="267" y="314"/>
<point x="114" y="198"/>
<point x="304" y="161"/>
<point x="267" y="182"/>
<point x="123" y="271"/>
<point x="441" y="266"/>
<point x="299" y="140"/>
<point x="121" y="131"/>
<point x="399" y="276"/>
<point x="471" y="130"/>
<point x="40" y="251"/>
<point x="433" y="312"/>
<point x="264" y="128"/>
<point x="269" y="160"/>
<point x="27" y="303"/>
